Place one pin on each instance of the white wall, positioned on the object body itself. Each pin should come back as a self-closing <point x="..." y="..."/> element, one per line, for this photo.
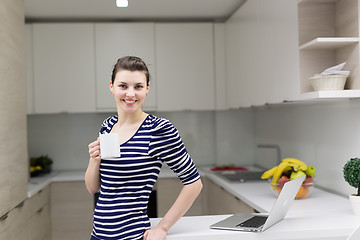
<point x="235" y="137"/>
<point x="225" y="136"/>
<point x="325" y="135"/>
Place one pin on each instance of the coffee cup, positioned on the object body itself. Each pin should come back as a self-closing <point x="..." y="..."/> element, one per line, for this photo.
<point x="109" y="145"/>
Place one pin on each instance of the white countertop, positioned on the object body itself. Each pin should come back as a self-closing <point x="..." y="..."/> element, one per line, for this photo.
<point x="322" y="215"/>
<point x="38" y="183"/>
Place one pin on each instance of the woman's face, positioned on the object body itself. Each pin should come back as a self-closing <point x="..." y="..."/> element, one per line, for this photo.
<point x="129" y="89"/>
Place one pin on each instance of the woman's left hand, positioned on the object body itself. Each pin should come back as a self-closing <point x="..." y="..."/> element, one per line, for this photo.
<point x="155" y="234"/>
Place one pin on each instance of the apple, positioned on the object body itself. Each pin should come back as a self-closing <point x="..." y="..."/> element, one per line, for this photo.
<point x="282" y="181"/>
<point x="309" y="180"/>
<point x="310" y="171"/>
<point x="296" y="174"/>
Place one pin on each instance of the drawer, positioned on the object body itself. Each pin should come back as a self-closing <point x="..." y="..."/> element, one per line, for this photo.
<point x="39" y="224"/>
<point x="39" y="200"/>
<point x="14" y="224"/>
<point x="19" y="218"/>
<point x="5" y="227"/>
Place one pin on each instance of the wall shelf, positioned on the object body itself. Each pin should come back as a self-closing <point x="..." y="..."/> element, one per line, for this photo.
<point x="337" y="94"/>
<point x="328" y="34"/>
<point x="329" y="43"/>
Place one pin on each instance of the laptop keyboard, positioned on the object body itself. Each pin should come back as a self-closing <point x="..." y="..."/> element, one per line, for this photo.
<point x="253" y="222"/>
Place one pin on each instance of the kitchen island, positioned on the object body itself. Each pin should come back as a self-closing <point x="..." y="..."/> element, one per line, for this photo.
<point x="322" y="215"/>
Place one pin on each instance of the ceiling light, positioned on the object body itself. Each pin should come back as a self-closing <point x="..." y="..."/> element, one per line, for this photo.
<point x="122" y="3"/>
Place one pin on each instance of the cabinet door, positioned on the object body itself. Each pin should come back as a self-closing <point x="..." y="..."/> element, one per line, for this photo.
<point x="185" y="66"/>
<point x="221" y="201"/>
<point x="278" y="56"/>
<point x="168" y="190"/>
<point x="5" y="232"/>
<point x="64" y="67"/>
<point x="115" y="40"/>
<point x="262" y="57"/>
<point x="71" y="211"/>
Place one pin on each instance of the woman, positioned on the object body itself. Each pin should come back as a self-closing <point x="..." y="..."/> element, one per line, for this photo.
<point x="146" y="141"/>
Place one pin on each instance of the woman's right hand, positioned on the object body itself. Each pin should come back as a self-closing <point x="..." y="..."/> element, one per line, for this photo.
<point x="94" y="150"/>
<point x="92" y="176"/>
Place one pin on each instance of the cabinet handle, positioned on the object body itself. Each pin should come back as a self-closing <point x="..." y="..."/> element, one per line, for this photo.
<point x="40" y="210"/>
<point x="20" y="205"/>
<point x="4" y="217"/>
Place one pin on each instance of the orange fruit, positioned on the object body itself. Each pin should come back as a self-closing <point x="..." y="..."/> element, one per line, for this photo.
<point x="303" y="191"/>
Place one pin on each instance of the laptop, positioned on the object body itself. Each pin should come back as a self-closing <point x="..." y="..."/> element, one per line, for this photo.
<point x="259" y="222"/>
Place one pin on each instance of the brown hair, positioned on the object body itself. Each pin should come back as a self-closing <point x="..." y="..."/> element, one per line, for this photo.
<point x="130" y="63"/>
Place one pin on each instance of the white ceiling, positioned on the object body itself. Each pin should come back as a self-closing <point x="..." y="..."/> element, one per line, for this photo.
<point x="105" y="10"/>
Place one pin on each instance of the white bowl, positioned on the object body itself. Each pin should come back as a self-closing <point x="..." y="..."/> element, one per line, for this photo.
<point x="328" y="82"/>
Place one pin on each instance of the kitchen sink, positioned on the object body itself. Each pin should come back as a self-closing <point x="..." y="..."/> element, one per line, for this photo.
<point x="240" y="175"/>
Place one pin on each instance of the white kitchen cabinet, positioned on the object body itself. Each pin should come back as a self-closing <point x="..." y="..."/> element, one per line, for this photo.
<point x="115" y="40"/>
<point x="168" y="190"/>
<point x="328" y="35"/>
<point x="71" y="211"/>
<point x="185" y="66"/>
<point x="261" y="53"/>
<point x="221" y="201"/>
<point x="220" y="67"/>
<point x="64" y="67"/>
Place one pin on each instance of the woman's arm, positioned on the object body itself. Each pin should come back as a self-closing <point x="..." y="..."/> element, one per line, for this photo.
<point x="183" y="202"/>
<point x="92" y="175"/>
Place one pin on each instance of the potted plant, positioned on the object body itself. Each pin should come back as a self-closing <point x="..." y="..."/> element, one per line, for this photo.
<point x="352" y="176"/>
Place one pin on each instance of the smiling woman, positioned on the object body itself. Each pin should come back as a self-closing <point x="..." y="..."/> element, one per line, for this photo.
<point x="146" y="141"/>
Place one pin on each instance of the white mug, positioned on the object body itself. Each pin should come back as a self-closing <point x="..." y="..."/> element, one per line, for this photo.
<point x="109" y="145"/>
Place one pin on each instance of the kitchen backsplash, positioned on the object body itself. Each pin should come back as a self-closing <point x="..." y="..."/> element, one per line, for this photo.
<point x="325" y="135"/>
<point x="210" y="137"/>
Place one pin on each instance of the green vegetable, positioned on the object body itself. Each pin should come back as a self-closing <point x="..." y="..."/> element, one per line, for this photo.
<point x="351" y="172"/>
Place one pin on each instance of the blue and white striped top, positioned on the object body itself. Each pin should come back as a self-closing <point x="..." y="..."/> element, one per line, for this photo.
<point x="127" y="181"/>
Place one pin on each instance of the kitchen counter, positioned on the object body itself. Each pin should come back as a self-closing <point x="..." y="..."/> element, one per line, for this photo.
<point x="38" y="183"/>
<point x="322" y="215"/>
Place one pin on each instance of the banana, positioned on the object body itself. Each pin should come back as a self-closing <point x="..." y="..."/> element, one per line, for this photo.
<point x="296" y="163"/>
<point x="269" y="173"/>
<point x="279" y="170"/>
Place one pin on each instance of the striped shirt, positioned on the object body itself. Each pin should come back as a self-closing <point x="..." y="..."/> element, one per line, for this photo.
<point x="127" y="181"/>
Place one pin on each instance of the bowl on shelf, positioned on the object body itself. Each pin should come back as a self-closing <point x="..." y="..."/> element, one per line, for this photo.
<point x="328" y="82"/>
<point x="304" y="191"/>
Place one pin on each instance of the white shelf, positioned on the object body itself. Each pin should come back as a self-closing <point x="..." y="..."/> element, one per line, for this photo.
<point x="328" y="95"/>
<point x="329" y="43"/>
<point x="317" y="1"/>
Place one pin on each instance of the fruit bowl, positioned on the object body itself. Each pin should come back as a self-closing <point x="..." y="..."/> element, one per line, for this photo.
<point x="304" y="191"/>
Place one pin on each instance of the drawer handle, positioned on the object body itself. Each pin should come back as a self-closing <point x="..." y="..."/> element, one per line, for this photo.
<point x="20" y="205"/>
<point x="40" y="210"/>
<point x="4" y="217"/>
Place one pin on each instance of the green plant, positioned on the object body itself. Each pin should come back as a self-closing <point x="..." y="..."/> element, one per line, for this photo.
<point x="352" y="173"/>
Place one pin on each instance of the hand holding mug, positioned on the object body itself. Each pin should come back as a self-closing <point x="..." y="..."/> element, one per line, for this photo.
<point x="94" y="150"/>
